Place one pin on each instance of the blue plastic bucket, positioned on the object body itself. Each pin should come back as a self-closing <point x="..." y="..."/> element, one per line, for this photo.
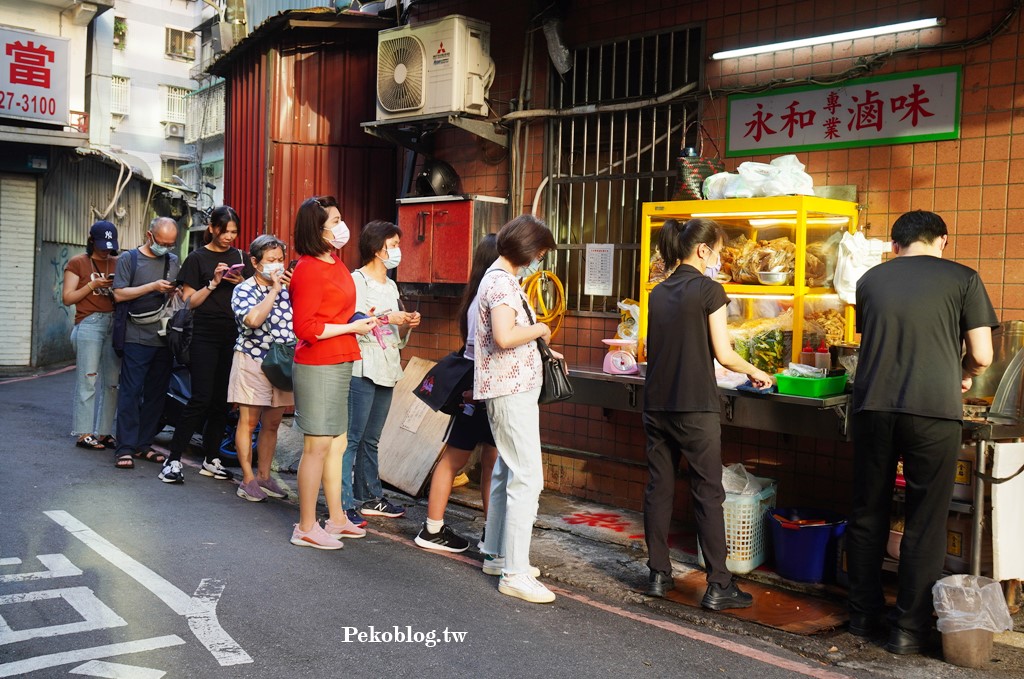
<point x="804" y="540"/>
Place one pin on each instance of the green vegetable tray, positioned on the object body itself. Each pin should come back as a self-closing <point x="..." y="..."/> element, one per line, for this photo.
<point x="812" y="387"/>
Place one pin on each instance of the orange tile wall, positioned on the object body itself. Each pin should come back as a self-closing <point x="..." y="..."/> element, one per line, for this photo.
<point x="976" y="183"/>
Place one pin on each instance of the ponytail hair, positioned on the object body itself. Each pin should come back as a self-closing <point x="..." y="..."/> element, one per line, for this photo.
<point x="678" y="241"/>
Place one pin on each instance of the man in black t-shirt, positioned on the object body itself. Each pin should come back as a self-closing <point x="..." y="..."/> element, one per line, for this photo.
<point x="916" y="312"/>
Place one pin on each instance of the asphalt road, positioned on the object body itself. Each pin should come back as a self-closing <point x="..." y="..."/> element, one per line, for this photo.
<point x="105" y="572"/>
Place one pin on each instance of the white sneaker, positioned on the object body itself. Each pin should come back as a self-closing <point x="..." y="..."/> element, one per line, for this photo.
<point x="171" y="473"/>
<point x="525" y="587"/>
<point x="493" y="565"/>
<point x="215" y="469"/>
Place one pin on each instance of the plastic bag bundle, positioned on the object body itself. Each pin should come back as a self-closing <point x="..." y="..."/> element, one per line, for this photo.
<point x="629" y="327"/>
<point x="968" y="602"/>
<point x="857" y="254"/>
<point x="736" y="479"/>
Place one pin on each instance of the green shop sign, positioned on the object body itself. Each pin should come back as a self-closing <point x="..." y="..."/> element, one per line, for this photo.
<point x="901" y="108"/>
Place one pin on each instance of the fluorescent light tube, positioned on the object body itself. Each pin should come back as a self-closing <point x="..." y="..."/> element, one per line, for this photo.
<point x="835" y="37"/>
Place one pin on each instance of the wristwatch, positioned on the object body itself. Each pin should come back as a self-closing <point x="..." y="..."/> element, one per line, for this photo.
<point x="211" y="285"/>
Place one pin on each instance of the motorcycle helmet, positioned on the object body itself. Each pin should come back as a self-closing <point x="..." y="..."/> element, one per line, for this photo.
<point x="436" y="178"/>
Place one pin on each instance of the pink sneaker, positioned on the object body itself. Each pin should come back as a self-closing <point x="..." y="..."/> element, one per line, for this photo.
<point x="345" y="530"/>
<point x="316" y="537"/>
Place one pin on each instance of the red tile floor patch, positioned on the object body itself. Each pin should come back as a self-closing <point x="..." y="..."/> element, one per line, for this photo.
<point x="773" y="607"/>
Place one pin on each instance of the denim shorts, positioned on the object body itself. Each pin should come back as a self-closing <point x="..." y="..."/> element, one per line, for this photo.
<point x="321" y="398"/>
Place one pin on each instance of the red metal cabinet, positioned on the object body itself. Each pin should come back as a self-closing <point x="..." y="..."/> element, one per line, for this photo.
<point x="439" y="234"/>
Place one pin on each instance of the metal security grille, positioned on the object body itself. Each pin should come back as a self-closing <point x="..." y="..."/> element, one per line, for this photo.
<point x="603" y="165"/>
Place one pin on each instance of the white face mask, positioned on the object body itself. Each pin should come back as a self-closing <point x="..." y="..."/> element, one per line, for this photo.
<point x="270" y="268"/>
<point x="341" y="235"/>
<point x="394" y="258"/>
<point x="530" y="269"/>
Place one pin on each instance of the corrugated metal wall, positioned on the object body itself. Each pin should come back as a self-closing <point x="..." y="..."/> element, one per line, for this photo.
<point x="76" y="185"/>
<point x="318" y="94"/>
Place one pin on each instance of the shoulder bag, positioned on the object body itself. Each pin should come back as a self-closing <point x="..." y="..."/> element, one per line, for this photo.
<point x="277" y="365"/>
<point x="556" y="386"/>
<point x="443" y="385"/>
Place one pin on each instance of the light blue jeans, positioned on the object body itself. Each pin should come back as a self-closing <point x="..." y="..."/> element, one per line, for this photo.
<point x="517" y="480"/>
<point x="98" y="369"/>
<point x="368" y="406"/>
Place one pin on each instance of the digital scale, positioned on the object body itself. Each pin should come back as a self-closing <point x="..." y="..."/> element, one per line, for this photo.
<point x="621" y="359"/>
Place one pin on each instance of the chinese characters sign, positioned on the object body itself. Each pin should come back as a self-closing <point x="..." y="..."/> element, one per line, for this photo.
<point x="892" y="109"/>
<point x="33" y="76"/>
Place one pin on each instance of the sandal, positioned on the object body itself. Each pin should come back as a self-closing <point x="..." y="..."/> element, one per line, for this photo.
<point x="151" y="456"/>
<point x="108" y="441"/>
<point x="89" y="442"/>
<point x="125" y="462"/>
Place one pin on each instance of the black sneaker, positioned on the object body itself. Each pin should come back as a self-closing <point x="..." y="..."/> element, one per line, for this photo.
<point x="444" y="540"/>
<point x="659" y="583"/>
<point x="718" y="598"/>
<point x="172" y="473"/>
<point x="381" y="507"/>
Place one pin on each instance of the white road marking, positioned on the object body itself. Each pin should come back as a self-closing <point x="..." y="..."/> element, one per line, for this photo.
<point x="202" y="620"/>
<point x="10" y="561"/>
<point x="42" y="662"/>
<point x="199" y="612"/>
<point x="95" y="614"/>
<point x="113" y="670"/>
<point x="175" y="599"/>
<point x="58" y="566"/>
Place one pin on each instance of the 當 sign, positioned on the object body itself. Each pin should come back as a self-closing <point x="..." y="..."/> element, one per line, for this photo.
<point x="34" y="78"/>
<point x="891" y="109"/>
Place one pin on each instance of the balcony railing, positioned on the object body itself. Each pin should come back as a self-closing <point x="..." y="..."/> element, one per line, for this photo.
<point x="120" y="95"/>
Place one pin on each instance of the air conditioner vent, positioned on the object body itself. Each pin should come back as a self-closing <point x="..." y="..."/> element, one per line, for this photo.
<point x="400" y="70"/>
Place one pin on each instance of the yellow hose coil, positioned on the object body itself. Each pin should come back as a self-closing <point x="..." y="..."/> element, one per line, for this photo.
<point x="538" y="287"/>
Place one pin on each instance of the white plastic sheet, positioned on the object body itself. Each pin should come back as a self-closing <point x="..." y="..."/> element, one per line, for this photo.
<point x="857" y="254"/>
<point x="966" y="602"/>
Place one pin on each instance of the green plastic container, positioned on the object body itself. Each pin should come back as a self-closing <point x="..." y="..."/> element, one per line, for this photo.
<point x="812" y="387"/>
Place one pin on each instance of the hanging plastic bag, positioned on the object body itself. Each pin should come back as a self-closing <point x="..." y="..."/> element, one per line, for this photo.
<point x="629" y="327"/>
<point x="857" y="254"/>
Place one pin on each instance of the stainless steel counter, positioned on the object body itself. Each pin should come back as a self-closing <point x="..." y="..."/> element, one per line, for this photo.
<point x="815" y="417"/>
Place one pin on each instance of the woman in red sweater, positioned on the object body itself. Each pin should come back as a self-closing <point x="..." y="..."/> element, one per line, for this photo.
<point x="323" y="302"/>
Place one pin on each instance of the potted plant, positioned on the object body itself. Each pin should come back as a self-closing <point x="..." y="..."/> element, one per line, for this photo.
<point x="120" y="32"/>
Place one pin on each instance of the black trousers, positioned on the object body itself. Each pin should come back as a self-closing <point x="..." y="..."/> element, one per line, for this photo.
<point x="929" y="448"/>
<point x="698" y="436"/>
<point x="211" y="367"/>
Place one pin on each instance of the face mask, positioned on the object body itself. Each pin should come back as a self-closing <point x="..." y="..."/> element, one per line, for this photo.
<point x="530" y="269"/>
<point x="341" y="235"/>
<point x="271" y="268"/>
<point x="711" y="271"/>
<point x="394" y="258"/>
<point x="158" y="250"/>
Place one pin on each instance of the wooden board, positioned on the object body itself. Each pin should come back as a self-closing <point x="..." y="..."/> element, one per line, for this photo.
<point x="773" y="606"/>
<point x="411" y="441"/>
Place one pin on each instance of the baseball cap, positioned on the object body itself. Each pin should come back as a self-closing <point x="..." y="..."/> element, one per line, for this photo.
<point x="104" y="235"/>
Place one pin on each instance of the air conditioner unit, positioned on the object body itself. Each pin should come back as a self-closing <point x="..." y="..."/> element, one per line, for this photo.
<point x="174" y="130"/>
<point x="437" y="67"/>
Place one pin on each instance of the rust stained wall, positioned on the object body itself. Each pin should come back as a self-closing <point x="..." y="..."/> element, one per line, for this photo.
<point x="294" y="133"/>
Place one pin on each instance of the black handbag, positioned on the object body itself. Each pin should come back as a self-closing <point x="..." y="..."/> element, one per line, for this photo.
<point x="443" y="385"/>
<point x="277" y="365"/>
<point x="556" y="386"/>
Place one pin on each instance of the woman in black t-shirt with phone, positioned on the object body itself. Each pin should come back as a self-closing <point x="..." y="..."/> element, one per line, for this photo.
<point x="208" y="277"/>
<point x="686" y="331"/>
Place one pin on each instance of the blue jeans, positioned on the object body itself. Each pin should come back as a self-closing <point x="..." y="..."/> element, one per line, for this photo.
<point x="518" y="478"/>
<point x="96" y="375"/>
<point x="368" y="406"/>
<point x="145" y="372"/>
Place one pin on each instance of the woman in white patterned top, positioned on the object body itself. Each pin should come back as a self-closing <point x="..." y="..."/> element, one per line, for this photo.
<point x="263" y="311"/>
<point x="508" y="376"/>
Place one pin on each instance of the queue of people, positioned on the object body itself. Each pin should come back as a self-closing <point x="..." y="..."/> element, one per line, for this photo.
<point x="349" y="328"/>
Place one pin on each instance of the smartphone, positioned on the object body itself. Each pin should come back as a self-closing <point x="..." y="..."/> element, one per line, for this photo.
<point x="292" y="264"/>
<point x="235" y="269"/>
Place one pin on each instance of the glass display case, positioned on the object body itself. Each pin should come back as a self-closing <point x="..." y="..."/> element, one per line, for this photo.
<point x="778" y="260"/>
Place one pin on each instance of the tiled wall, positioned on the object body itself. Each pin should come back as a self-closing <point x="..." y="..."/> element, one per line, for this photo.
<point x="976" y="183"/>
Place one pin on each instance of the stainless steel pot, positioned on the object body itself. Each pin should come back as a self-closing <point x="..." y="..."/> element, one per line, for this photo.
<point x="1007" y="340"/>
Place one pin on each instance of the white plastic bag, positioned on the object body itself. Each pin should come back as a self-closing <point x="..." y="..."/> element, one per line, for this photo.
<point x="966" y="602"/>
<point x="736" y="479"/>
<point x="715" y="185"/>
<point x="857" y="254"/>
